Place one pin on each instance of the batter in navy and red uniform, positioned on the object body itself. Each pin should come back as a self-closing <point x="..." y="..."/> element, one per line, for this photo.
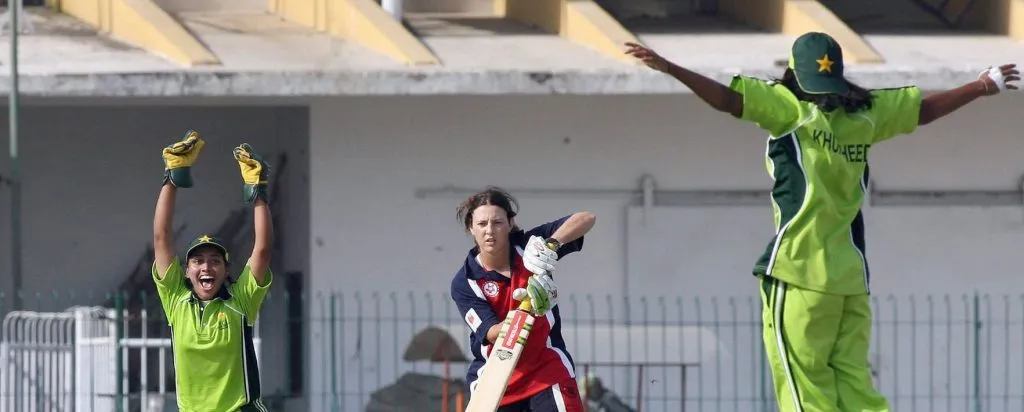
<point x="503" y="260"/>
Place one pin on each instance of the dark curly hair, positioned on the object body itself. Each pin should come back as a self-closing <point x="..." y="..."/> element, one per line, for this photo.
<point x="492" y="195"/>
<point x="855" y="100"/>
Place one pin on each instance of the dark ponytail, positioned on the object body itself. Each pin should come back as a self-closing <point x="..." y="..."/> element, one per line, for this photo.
<point x="855" y="100"/>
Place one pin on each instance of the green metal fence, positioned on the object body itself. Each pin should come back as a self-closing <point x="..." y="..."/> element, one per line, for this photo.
<point x="350" y="350"/>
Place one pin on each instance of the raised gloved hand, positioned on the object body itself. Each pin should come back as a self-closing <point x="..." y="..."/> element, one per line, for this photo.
<point x="255" y="173"/>
<point x="539" y="257"/>
<point x="179" y="157"/>
<point x="542" y="292"/>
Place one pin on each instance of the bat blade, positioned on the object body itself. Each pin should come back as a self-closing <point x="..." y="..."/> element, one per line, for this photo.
<point x="494" y="376"/>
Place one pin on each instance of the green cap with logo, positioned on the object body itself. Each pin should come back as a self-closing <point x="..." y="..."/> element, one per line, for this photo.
<point x="817" y="62"/>
<point x="207" y="240"/>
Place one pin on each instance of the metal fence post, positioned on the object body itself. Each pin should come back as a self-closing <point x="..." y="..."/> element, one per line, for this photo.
<point x="118" y="358"/>
<point x="977" y="352"/>
<point x="334" y="359"/>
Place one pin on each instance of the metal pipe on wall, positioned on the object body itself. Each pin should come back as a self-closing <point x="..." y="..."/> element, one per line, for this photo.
<point x="451" y="191"/>
<point x="393" y="7"/>
<point x="647" y="195"/>
<point x="15" y="179"/>
<point x="662" y="197"/>
<point x="947" y="197"/>
<point x="647" y="184"/>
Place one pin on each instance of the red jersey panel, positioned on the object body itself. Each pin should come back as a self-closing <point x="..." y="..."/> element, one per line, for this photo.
<point x="542" y="364"/>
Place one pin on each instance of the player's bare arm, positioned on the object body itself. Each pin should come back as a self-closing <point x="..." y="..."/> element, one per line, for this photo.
<point x="163" y="242"/>
<point x="178" y="160"/>
<point x="574" y="227"/>
<point x="715" y="94"/>
<point x="991" y="82"/>
<point x="541" y="254"/>
<point x="259" y="261"/>
<point x="255" y="174"/>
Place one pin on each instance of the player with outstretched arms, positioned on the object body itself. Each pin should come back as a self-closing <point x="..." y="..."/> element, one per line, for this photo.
<point x="814" y="271"/>
<point x="504" y="260"/>
<point x="212" y="316"/>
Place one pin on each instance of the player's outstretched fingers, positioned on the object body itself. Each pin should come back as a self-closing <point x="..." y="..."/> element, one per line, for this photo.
<point x="638" y="51"/>
<point x="1010" y="74"/>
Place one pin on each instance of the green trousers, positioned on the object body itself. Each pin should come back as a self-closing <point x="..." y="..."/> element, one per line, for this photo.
<point x="817" y="346"/>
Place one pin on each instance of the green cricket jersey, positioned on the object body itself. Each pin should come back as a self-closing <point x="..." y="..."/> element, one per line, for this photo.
<point x="819" y="162"/>
<point x="214" y="357"/>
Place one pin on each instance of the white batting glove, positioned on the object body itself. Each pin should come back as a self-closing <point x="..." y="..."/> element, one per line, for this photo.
<point x="538" y="258"/>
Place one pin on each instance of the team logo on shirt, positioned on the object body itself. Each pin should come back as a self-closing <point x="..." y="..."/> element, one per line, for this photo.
<point x="222" y="321"/>
<point x="490" y="289"/>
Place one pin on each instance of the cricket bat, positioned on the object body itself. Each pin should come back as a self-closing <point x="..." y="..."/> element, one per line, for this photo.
<point x="491" y="385"/>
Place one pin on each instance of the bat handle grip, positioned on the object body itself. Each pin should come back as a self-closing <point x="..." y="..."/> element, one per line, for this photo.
<point x="526" y="305"/>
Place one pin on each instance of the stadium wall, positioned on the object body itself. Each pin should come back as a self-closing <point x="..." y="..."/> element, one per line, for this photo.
<point x="371" y="155"/>
<point x="390" y="255"/>
<point x="353" y="221"/>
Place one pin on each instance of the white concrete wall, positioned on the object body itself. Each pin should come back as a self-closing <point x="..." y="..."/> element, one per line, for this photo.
<point x="371" y="155"/>
<point x="370" y="233"/>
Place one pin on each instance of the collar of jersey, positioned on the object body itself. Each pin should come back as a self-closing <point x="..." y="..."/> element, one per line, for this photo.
<point x="475" y="271"/>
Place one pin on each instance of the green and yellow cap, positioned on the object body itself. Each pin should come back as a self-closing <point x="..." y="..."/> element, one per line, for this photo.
<point x="207" y="240"/>
<point x="817" y="61"/>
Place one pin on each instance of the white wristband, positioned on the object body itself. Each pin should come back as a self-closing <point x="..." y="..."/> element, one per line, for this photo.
<point x="997" y="77"/>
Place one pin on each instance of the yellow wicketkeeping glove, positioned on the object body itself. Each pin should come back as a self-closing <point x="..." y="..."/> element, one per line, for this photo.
<point x="255" y="173"/>
<point x="178" y="159"/>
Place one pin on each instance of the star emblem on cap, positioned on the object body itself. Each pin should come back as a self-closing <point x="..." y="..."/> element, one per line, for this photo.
<point x="205" y="239"/>
<point x="824" y="64"/>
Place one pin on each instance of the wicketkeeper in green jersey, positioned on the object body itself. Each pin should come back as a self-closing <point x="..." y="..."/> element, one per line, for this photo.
<point x="212" y="316"/>
<point x="814" y="272"/>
